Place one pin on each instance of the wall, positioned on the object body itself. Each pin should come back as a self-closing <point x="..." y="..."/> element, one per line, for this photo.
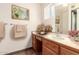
<point x="8" y="45"/>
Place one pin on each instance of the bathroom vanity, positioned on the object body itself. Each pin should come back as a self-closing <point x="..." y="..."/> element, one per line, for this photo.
<point x="54" y="44"/>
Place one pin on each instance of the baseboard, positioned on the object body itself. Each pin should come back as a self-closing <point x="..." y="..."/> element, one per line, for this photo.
<point x="11" y="53"/>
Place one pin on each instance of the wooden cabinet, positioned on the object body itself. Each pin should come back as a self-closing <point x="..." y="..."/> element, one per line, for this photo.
<point x="47" y="51"/>
<point x="53" y="48"/>
<point x="45" y="46"/>
<point x="65" y="51"/>
<point x="37" y="44"/>
<point x="50" y="47"/>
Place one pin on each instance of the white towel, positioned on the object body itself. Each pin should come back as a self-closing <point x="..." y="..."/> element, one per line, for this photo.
<point x="19" y="31"/>
<point x="2" y="29"/>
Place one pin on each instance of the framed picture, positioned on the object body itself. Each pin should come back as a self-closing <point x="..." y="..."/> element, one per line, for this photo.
<point x="19" y="13"/>
<point x="58" y="20"/>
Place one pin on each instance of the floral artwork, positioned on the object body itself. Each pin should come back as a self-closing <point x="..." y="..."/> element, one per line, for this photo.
<point x="19" y="13"/>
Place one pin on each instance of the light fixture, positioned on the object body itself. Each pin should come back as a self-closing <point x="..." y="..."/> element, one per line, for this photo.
<point x="63" y="4"/>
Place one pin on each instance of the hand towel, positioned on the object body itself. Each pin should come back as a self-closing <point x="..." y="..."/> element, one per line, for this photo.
<point x="2" y="30"/>
<point x="19" y="31"/>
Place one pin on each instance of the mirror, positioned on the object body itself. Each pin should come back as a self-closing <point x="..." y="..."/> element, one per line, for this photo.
<point x="75" y="19"/>
<point x="61" y="19"/>
<point x="66" y="18"/>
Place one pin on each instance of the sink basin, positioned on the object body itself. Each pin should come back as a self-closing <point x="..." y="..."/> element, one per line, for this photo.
<point x="58" y="36"/>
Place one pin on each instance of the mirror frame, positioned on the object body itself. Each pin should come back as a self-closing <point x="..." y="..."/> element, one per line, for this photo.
<point x="75" y="23"/>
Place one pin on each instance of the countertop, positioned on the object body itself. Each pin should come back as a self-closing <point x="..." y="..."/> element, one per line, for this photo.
<point x="61" y="38"/>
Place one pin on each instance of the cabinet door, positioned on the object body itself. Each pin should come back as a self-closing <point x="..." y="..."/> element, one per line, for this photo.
<point x="47" y="51"/>
<point x="65" y="51"/>
<point x="51" y="45"/>
<point x="37" y="44"/>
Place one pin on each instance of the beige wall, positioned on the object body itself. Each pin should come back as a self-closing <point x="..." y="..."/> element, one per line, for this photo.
<point x="8" y="45"/>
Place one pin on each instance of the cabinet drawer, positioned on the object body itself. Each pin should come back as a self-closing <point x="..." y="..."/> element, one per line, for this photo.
<point x="47" y="51"/>
<point x="33" y="36"/>
<point x="49" y="44"/>
<point x="65" y="51"/>
<point x="38" y="38"/>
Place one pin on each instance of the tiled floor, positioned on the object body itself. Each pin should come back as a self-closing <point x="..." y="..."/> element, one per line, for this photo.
<point x="24" y="52"/>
